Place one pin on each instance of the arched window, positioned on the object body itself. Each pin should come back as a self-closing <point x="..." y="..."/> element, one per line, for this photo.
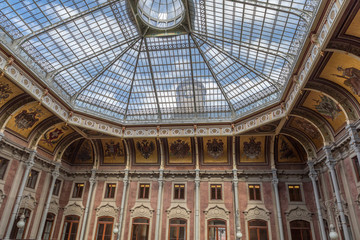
<point x="19" y="233"/>
<point x="300" y="230"/>
<point x="49" y="223"/>
<point x="258" y="230"/>
<point x="140" y="229"/>
<point x="177" y="229"/>
<point x="71" y="226"/>
<point x="217" y="229"/>
<point x="104" y="228"/>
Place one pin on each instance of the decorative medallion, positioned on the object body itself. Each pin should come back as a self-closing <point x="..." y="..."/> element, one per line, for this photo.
<point x="215" y="148"/>
<point x="180" y="149"/>
<point x="26" y="119"/>
<point x="145" y="147"/>
<point x="5" y="91"/>
<point x="54" y="135"/>
<point x="327" y="107"/>
<point x="113" y="149"/>
<point x="252" y="149"/>
<point x="285" y="151"/>
<point x="352" y="78"/>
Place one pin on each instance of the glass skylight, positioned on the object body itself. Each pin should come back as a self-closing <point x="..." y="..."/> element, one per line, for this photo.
<point x="236" y="57"/>
<point x="162" y="14"/>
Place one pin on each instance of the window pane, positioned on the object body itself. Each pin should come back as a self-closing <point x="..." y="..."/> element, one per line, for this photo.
<point x="100" y="232"/>
<point x="73" y="232"/>
<point x="221" y="233"/>
<point x="108" y="232"/>
<point x="212" y="233"/>
<point x="253" y="234"/>
<point x="173" y="233"/>
<point x="182" y="233"/>
<point x="263" y="234"/>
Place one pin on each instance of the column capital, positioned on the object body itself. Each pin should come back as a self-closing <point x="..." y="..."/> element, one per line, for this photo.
<point x="275" y="179"/>
<point x="312" y="172"/>
<point x="92" y="179"/>
<point x="235" y="176"/>
<point x="30" y="162"/>
<point x="161" y="176"/>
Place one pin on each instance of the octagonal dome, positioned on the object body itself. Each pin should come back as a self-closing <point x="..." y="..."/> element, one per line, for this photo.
<point x="234" y="58"/>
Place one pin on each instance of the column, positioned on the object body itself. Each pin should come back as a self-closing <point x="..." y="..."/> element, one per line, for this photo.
<point x="159" y="203"/>
<point x="92" y="181"/>
<point x="330" y="163"/>
<point x="123" y="200"/>
<point x="275" y="182"/>
<point x="313" y="177"/>
<point x="29" y="164"/>
<point x="355" y="140"/>
<point x="55" y="175"/>
<point x="197" y="203"/>
<point x="237" y="210"/>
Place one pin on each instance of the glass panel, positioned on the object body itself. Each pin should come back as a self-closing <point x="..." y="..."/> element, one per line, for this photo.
<point x="306" y="235"/>
<point x="263" y="234"/>
<point x="212" y="233"/>
<point x="108" y="232"/>
<point x="221" y="233"/>
<point x="100" y="232"/>
<point x="173" y="233"/>
<point x="182" y="233"/>
<point x="73" y="232"/>
<point x="296" y="234"/>
<point x="141" y="220"/>
<point x="253" y="234"/>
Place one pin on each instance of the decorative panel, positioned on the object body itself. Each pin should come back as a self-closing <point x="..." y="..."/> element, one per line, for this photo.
<point x="215" y="150"/>
<point x="180" y="150"/>
<point x="54" y="135"/>
<point x="8" y="91"/>
<point x="113" y="150"/>
<point x="286" y="151"/>
<point x="252" y="149"/>
<point x="146" y="150"/>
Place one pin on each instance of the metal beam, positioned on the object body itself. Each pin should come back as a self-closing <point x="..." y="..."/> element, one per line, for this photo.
<point x="271" y="6"/>
<point x="153" y="80"/>
<point x="192" y="76"/>
<point x="133" y="79"/>
<point x="214" y="76"/>
<point x="266" y="78"/>
<point x="241" y="44"/>
<point x="103" y="70"/>
<point x="21" y="40"/>
<point x="112" y="47"/>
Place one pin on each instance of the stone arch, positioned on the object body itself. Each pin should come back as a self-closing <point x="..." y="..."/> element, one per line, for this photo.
<point x="339" y="95"/>
<point x="60" y="149"/>
<point x="309" y="147"/>
<point x="39" y="130"/>
<point x="325" y="130"/>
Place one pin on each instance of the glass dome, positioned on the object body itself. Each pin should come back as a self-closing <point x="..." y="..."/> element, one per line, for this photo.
<point x="161" y="14"/>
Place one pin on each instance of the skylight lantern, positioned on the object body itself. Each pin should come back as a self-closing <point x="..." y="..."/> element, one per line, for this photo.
<point x="161" y="14"/>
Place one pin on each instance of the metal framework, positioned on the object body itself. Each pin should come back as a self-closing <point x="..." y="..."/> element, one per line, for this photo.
<point x="236" y="57"/>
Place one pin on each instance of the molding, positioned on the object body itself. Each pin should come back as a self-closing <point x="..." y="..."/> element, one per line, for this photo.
<point x="74" y="208"/>
<point x="142" y="210"/>
<point x="216" y="211"/>
<point x="178" y="211"/>
<point x="257" y="212"/>
<point x="298" y="212"/>
<point x="108" y="209"/>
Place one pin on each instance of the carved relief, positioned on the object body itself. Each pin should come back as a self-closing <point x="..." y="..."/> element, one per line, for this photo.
<point x="216" y="212"/>
<point x="54" y="207"/>
<point x="107" y="210"/>
<point x="142" y="211"/>
<point x="257" y="213"/>
<point x="2" y="196"/>
<point x="28" y="201"/>
<point x="74" y="208"/>
<point x="178" y="212"/>
<point x="298" y="213"/>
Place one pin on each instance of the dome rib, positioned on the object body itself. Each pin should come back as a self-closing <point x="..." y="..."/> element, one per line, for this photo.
<point x="214" y="76"/>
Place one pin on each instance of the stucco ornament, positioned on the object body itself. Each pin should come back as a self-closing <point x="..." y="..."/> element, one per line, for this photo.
<point x="178" y="212"/>
<point x="216" y="212"/>
<point x="74" y="208"/>
<point x="142" y="211"/>
<point x="298" y="213"/>
<point x="108" y="209"/>
<point x="257" y="213"/>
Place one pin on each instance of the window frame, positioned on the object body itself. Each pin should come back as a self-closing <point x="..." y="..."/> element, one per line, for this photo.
<point x="132" y="226"/>
<point x="300" y="192"/>
<point x="52" y="225"/>
<point x="216" y="192"/>
<point x="71" y="222"/>
<point x="178" y="225"/>
<point x="73" y="189"/>
<point x="105" y="223"/>
<point x="310" y="227"/>
<point x="174" y="194"/>
<point x="141" y="196"/>
<point x="258" y="227"/>
<point x="4" y="167"/>
<point x="106" y="197"/>
<point x="260" y="192"/>
<point x="59" y="189"/>
<point x="33" y="182"/>
<point x="209" y="226"/>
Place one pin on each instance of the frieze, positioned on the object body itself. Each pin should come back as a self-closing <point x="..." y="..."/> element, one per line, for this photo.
<point x="142" y="211"/>
<point x="298" y="213"/>
<point x="178" y="212"/>
<point x="74" y="208"/>
<point x="108" y="209"/>
<point x="216" y="211"/>
<point x="257" y="213"/>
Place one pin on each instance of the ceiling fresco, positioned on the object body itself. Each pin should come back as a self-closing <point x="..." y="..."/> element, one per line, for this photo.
<point x="113" y="151"/>
<point x="180" y="150"/>
<point x="79" y="152"/>
<point x="308" y="129"/>
<point x="8" y="91"/>
<point x="327" y="108"/>
<point x="53" y="136"/>
<point x="286" y="151"/>
<point x="25" y="119"/>
<point x="344" y="70"/>
<point x="354" y="27"/>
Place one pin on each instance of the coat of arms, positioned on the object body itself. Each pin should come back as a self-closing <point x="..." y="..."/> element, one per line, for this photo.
<point x="146" y="148"/>
<point x="180" y="149"/>
<point x="113" y="150"/>
<point x="26" y="119"/>
<point x="252" y="149"/>
<point x="54" y="135"/>
<point x="215" y="148"/>
<point x="5" y="91"/>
